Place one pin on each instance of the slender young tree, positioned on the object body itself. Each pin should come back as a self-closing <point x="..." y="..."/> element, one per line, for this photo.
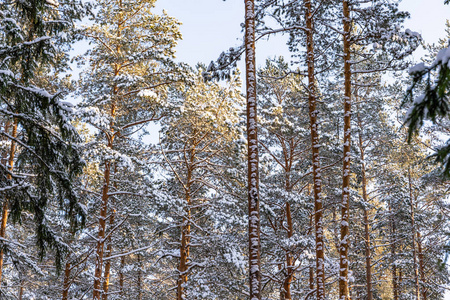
<point x="285" y="140"/>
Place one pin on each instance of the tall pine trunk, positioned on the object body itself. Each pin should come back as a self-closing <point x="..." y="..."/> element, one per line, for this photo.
<point x="344" y="242"/>
<point x="5" y="208"/>
<point x="254" y="252"/>
<point x="315" y="144"/>
<point x="105" y="197"/>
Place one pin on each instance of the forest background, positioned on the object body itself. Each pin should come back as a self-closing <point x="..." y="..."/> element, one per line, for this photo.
<point x="187" y="224"/>
<point x="223" y="18"/>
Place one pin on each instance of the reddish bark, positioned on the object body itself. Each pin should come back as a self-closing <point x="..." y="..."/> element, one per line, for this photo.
<point x="290" y="272"/>
<point x="315" y="144"/>
<point x="107" y="272"/>
<point x="66" y="283"/>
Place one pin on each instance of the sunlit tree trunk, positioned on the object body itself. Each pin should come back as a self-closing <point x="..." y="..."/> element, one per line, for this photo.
<point x="105" y="197"/>
<point x="253" y="155"/>
<point x="107" y="272"/>
<point x="344" y="242"/>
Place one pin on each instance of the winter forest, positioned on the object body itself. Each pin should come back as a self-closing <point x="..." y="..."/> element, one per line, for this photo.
<point x="324" y="174"/>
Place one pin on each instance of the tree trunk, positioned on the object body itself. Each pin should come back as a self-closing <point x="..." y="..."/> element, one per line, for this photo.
<point x="20" y="294"/>
<point x="253" y="155"/>
<point x="139" y="282"/>
<point x="5" y="208"/>
<point x="311" y="267"/>
<point x="185" y="243"/>
<point x="107" y="272"/>
<point x="105" y="197"/>
<point x="101" y="232"/>
<point x="368" y="256"/>
<point x="66" y="284"/>
<point x="286" y="293"/>
<point x="315" y="144"/>
<point x="393" y="256"/>
<point x="344" y="242"/>
<point x="121" y="277"/>
<point x="366" y="216"/>
<point x="413" y="225"/>
<point x="421" y="266"/>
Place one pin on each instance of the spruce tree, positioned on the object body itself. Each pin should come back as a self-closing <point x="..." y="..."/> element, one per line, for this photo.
<point x="42" y="158"/>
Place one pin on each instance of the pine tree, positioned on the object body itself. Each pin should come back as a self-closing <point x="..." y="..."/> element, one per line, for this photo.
<point x="195" y="148"/>
<point x="124" y="89"/>
<point x="285" y="176"/>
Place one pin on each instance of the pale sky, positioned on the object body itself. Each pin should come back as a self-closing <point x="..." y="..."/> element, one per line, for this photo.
<point x="212" y="26"/>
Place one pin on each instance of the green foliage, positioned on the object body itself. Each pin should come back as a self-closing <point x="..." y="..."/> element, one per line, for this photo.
<point x="48" y="160"/>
